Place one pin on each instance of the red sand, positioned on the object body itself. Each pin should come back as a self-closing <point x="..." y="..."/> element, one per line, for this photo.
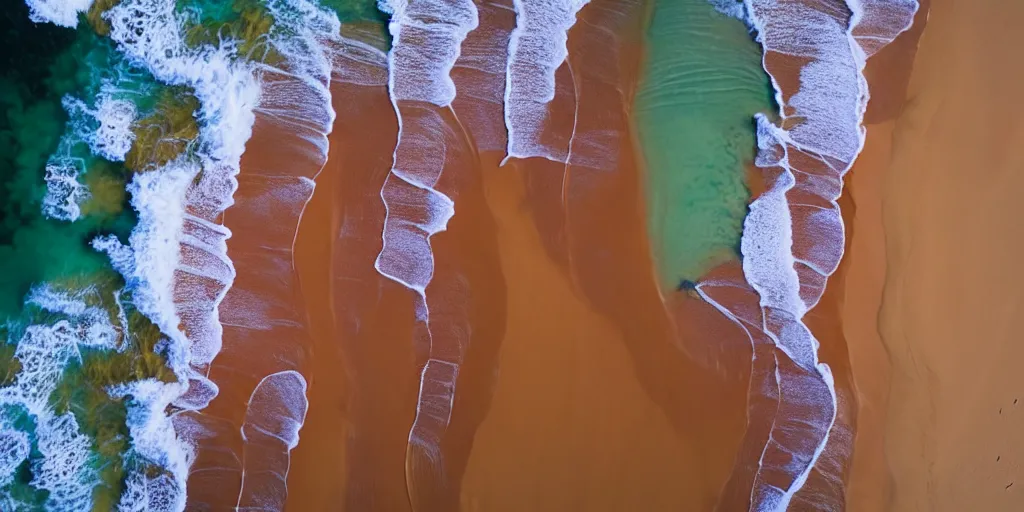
<point x="262" y="313"/>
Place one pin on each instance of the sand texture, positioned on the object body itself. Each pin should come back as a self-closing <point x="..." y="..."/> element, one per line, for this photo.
<point x="933" y="260"/>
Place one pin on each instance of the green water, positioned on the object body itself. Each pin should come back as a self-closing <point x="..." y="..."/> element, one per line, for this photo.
<point x="40" y="64"/>
<point x="703" y="83"/>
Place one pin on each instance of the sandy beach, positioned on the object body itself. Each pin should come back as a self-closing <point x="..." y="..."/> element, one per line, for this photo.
<point x="932" y="258"/>
<point x="573" y="396"/>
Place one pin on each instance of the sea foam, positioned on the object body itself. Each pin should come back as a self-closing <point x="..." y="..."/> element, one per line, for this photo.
<point x="275" y="414"/>
<point x="427" y="37"/>
<point x="537" y="48"/>
<point x="793" y="236"/>
<point x="64" y="467"/>
<point x="64" y="192"/>
<point x="289" y="137"/>
<point x="424" y="49"/>
<point x="59" y="12"/>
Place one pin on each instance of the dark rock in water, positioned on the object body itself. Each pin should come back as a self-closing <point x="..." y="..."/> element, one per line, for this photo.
<point x="687" y="285"/>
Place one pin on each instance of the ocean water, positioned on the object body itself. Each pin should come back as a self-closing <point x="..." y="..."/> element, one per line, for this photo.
<point x="702" y="84"/>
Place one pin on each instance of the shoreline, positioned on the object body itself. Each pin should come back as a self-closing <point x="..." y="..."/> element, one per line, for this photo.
<point x="861" y="275"/>
<point x="953" y="289"/>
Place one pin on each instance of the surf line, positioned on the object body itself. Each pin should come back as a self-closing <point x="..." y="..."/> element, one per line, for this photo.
<point x="423" y="52"/>
<point x="793" y="238"/>
<point x="537" y="48"/>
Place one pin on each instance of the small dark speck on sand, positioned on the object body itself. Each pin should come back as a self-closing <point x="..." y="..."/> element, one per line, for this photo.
<point x="1015" y="401"/>
<point x="687" y="285"/>
<point x="998" y="457"/>
<point x="1008" y="485"/>
<point x="1000" y="410"/>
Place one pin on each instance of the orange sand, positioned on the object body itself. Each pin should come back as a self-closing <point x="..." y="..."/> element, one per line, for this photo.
<point x="953" y="289"/>
<point x="362" y="389"/>
<point x="263" y="312"/>
<point x="937" y="379"/>
<point x="596" y="407"/>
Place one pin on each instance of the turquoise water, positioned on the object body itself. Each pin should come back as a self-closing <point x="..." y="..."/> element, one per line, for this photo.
<point x="702" y="84"/>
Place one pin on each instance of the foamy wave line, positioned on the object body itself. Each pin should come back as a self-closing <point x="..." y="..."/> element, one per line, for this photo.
<point x="537" y="47"/>
<point x="481" y="71"/>
<point x="788" y="272"/>
<point x="59" y="12"/>
<point x="229" y="91"/>
<point x="427" y="39"/>
<point x="65" y="468"/>
<point x="274" y="415"/>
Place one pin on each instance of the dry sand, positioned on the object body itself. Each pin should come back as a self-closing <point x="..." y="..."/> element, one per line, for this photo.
<point x="938" y="382"/>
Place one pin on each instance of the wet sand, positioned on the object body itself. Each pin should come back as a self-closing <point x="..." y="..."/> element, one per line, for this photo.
<point x="863" y="269"/>
<point x="570" y="427"/>
<point x="362" y="390"/>
<point x="953" y="289"/>
<point x="368" y="348"/>
<point x="869" y="486"/>
<point x="262" y="314"/>
<point x="595" y="407"/>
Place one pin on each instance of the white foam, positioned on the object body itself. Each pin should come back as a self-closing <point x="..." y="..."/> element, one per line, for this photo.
<point x="154" y="441"/>
<point x="877" y="22"/>
<point x="113" y="138"/>
<point x="149" y="262"/>
<point x="276" y="412"/>
<point x="415" y="210"/>
<point x="59" y="12"/>
<point x="427" y="43"/>
<point x="64" y="466"/>
<point x="359" y="63"/>
<point x="180" y="203"/>
<point x="434" y="405"/>
<point x="414" y="214"/>
<point x="64" y="193"/>
<point x="732" y="8"/>
<point x="92" y="323"/>
<point x="43" y="351"/>
<point x="427" y="36"/>
<point x="107" y="131"/>
<point x="107" y="128"/>
<point x="14" y="449"/>
<point x="819" y="148"/>
<point x="537" y="48"/>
